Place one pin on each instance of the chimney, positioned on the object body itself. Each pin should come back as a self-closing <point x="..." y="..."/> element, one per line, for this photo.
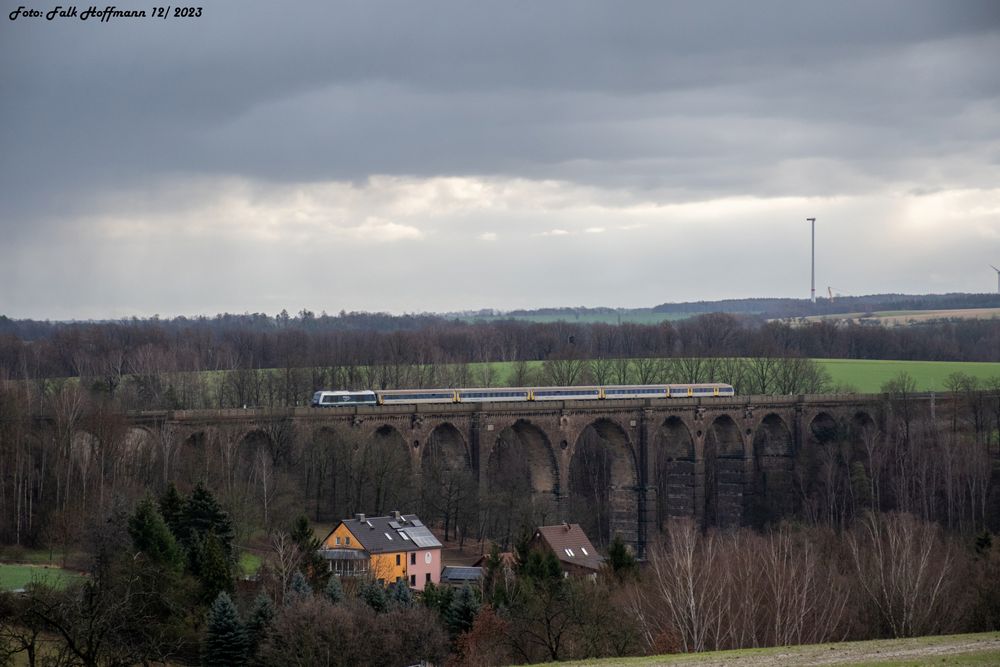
<point x="566" y="526"/>
<point x="395" y="515"/>
<point x="360" y="518"/>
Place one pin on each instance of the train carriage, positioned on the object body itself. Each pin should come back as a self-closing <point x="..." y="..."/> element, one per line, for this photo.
<point x="513" y="394"/>
<point x="636" y="391"/>
<point x="565" y="393"/>
<point x="395" y="396"/>
<point x="490" y="395"/>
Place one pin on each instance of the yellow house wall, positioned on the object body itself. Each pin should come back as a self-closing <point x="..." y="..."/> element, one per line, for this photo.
<point x="384" y="566"/>
<point x="342" y="532"/>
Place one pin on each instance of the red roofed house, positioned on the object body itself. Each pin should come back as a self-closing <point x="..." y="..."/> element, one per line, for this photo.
<point x="569" y="543"/>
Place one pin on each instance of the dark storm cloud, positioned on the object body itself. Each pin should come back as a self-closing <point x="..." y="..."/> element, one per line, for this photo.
<point x="326" y="90"/>
<point x="646" y="101"/>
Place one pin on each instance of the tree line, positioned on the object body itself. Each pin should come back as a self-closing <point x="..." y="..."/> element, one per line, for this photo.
<point x="151" y="596"/>
<point x="264" y="361"/>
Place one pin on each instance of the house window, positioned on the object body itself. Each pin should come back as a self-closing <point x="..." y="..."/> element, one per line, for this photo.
<point x="584" y="550"/>
<point x="397" y="560"/>
<point x="427" y="580"/>
<point x="413" y="580"/>
<point x="338" y="541"/>
<point x="569" y="552"/>
<point x="388" y="536"/>
<point x="347" y="541"/>
<point x="413" y="558"/>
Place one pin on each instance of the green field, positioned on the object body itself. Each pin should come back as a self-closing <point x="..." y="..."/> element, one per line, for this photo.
<point x="868" y="375"/>
<point x="250" y="563"/>
<point x="864" y="375"/>
<point x="585" y="317"/>
<point x="970" y="649"/>
<point x="15" y="576"/>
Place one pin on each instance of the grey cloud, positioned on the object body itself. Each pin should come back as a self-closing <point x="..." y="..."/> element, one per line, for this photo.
<point x="648" y="101"/>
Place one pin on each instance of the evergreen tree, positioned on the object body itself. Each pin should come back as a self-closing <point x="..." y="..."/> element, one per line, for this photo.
<point x="402" y="596"/>
<point x="334" y="591"/>
<point x="213" y="569"/>
<point x="620" y="559"/>
<point x="374" y="596"/>
<point x="302" y="534"/>
<point x="541" y="566"/>
<point x="438" y="598"/>
<point x="299" y="588"/>
<point x="225" y="637"/>
<point x="462" y="611"/>
<point x="258" y="622"/>
<point x="202" y="516"/>
<point x="308" y="545"/>
<point x="151" y="536"/>
<point x="172" y="509"/>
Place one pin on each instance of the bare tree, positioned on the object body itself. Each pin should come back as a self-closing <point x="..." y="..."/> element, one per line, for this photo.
<point x="904" y="568"/>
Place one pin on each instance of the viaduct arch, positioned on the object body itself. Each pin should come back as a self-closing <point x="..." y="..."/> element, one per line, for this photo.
<point x="625" y="466"/>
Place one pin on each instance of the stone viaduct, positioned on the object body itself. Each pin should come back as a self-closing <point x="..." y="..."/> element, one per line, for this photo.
<point x="710" y="459"/>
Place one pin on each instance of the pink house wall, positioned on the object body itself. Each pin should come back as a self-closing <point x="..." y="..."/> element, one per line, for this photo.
<point x="419" y="569"/>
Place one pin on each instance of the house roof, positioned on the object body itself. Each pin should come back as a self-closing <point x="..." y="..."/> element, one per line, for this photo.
<point x="460" y="574"/>
<point x="570" y="545"/>
<point x="381" y="534"/>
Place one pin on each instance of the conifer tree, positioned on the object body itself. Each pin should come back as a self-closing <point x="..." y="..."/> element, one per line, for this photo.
<point x="462" y="611"/>
<point x="313" y="565"/>
<point x="621" y="560"/>
<point x="334" y="591"/>
<point x="172" y="508"/>
<point x="225" y="637"/>
<point x="258" y="623"/>
<point x="203" y="515"/>
<point x="374" y="596"/>
<point x="151" y="536"/>
<point x="299" y="587"/>
<point x="402" y="596"/>
<point x="213" y="569"/>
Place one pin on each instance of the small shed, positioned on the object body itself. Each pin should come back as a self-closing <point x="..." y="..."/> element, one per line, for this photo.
<point x="461" y="575"/>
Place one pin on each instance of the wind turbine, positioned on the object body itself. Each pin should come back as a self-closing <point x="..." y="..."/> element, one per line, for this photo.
<point x="998" y="277"/>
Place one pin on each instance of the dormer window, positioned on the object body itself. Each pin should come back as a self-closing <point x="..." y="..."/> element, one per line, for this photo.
<point x="569" y="552"/>
<point x="584" y="550"/>
<point x="387" y="536"/>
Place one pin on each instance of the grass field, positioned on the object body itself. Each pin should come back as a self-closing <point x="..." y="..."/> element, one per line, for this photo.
<point x="865" y="375"/>
<point x="633" y="317"/>
<point x="15" y="575"/>
<point x="250" y="563"/>
<point x="868" y="375"/>
<point x="972" y="649"/>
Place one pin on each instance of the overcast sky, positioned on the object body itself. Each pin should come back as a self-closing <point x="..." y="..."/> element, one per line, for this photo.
<point x="424" y="156"/>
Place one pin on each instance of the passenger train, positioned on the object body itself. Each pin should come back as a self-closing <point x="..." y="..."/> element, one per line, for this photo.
<point x="331" y="399"/>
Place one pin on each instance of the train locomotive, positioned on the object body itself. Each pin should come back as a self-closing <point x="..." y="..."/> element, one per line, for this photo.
<point x="332" y="399"/>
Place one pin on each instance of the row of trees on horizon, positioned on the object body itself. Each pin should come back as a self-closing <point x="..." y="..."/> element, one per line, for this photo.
<point x="143" y="362"/>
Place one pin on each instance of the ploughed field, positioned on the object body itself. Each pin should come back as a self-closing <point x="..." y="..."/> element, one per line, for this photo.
<point x="972" y="649"/>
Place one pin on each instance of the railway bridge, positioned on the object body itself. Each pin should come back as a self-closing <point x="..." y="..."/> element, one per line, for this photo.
<point x="722" y="461"/>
